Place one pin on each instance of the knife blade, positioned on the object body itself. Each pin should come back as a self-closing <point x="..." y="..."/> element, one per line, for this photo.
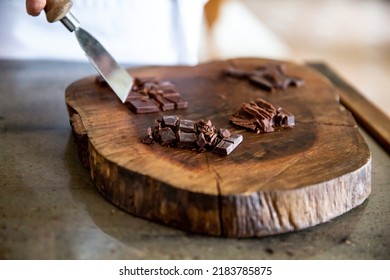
<point x="116" y="76"/>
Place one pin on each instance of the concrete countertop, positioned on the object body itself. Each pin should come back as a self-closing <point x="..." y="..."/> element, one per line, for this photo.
<point x="49" y="208"/>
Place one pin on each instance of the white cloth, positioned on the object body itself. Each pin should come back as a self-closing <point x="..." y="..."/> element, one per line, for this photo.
<point x="133" y="31"/>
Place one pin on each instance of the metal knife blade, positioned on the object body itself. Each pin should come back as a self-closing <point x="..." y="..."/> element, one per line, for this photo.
<point x="116" y="76"/>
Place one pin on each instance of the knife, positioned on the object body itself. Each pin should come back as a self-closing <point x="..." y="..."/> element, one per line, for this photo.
<point x="116" y="76"/>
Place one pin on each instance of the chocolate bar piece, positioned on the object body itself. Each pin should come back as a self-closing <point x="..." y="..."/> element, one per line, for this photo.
<point x="187" y="126"/>
<point x="135" y="95"/>
<point x="179" y="103"/>
<point x="167" y="136"/>
<point x="170" y="121"/>
<point x="226" y="146"/>
<point x="187" y="140"/>
<point x="284" y="118"/>
<point x="145" y="105"/>
<point x="164" y="103"/>
<point x="163" y="92"/>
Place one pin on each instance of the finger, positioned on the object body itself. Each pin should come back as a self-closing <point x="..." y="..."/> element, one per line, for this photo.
<point x="34" y="7"/>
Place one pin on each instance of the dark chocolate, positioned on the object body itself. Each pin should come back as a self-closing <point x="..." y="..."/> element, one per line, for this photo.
<point x="201" y="135"/>
<point x="269" y="77"/>
<point x="227" y="145"/>
<point x="167" y="136"/>
<point x="163" y="92"/>
<point x="187" y="126"/>
<point x="165" y="104"/>
<point x="187" y="139"/>
<point x="262" y="117"/>
<point x="142" y="106"/>
<point x="170" y="121"/>
<point x="179" y="102"/>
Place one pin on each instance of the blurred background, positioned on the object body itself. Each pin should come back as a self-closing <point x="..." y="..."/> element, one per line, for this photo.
<point x="351" y="36"/>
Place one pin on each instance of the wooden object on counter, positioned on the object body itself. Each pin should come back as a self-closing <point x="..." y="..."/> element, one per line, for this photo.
<point x="272" y="183"/>
<point x="373" y="120"/>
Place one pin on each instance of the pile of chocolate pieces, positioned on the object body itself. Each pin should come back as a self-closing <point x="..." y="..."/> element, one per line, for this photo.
<point x="150" y="95"/>
<point x="200" y="135"/>
<point x="261" y="116"/>
<point x="269" y="77"/>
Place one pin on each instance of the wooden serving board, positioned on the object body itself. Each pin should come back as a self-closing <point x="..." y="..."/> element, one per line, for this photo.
<point x="272" y="183"/>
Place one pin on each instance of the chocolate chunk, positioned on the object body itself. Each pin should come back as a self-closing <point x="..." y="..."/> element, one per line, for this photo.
<point x="135" y="95"/>
<point x="187" y="140"/>
<point x="170" y="121"/>
<point x="179" y="103"/>
<point x="201" y="141"/>
<point x="165" y="104"/>
<point x="206" y="127"/>
<point x="148" y="138"/>
<point x="187" y="126"/>
<point x="269" y="77"/>
<point x="223" y="133"/>
<point x="284" y="118"/>
<point x="167" y="136"/>
<point x="226" y="146"/>
<point x="144" y="105"/>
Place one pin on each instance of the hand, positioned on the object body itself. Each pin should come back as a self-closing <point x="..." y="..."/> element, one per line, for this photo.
<point x="34" y="7"/>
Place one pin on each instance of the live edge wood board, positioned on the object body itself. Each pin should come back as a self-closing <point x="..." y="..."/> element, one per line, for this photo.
<point x="272" y="183"/>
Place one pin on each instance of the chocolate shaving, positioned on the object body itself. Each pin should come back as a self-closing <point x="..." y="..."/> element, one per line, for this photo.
<point x="270" y="77"/>
<point x="262" y="117"/>
<point x="201" y="135"/>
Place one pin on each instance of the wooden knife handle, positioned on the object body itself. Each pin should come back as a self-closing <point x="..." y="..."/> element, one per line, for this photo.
<point x="57" y="9"/>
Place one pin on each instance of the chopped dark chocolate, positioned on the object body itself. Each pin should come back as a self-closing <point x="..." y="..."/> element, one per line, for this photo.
<point x="201" y="141"/>
<point x="135" y="95"/>
<point x="141" y="106"/>
<point x="223" y="133"/>
<point x="269" y="77"/>
<point x="187" y="126"/>
<point x="201" y="135"/>
<point x="167" y="136"/>
<point x="262" y="117"/>
<point x="284" y="118"/>
<point x="163" y="92"/>
<point x="170" y="121"/>
<point x="227" y="145"/>
<point x="187" y="139"/>
<point x="165" y="104"/>
<point x="179" y="102"/>
<point x="148" y="137"/>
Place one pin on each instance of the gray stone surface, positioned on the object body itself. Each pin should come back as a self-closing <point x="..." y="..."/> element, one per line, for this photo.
<point x="49" y="208"/>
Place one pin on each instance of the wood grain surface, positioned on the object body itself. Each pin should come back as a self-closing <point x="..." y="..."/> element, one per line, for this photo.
<point x="272" y="183"/>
